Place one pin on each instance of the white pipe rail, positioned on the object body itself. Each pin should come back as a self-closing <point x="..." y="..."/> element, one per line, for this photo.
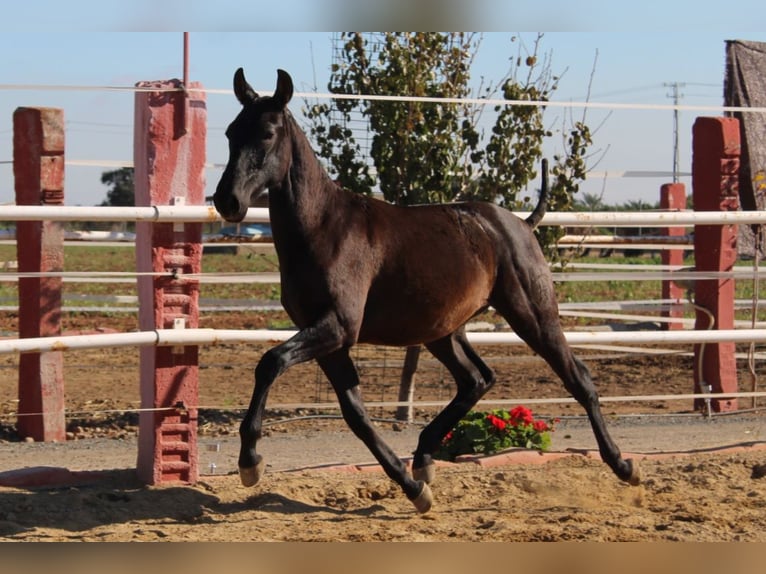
<point x="196" y="337"/>
<point x="267" y="277"/>
<point x="208" y="214"/>
<point x="154" y="213"/>
<point x="272" y="277"/>
<point x="653" y="218"/>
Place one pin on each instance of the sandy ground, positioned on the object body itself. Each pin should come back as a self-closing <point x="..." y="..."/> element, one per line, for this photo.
<point x="707" y="497"/>
<point x="703" y="480"/>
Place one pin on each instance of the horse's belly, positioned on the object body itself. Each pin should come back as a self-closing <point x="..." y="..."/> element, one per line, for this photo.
<point x="401" y="322"/>
<point x="426" y="299"/>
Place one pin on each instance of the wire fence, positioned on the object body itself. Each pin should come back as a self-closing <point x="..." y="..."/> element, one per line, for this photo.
<point x="383" y="365"/>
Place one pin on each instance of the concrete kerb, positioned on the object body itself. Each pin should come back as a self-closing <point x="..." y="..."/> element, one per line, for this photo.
<point x="521" y="456"/>
<point x="41" y="477"/>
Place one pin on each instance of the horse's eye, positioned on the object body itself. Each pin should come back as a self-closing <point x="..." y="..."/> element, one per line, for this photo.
<point x="268" y="136"/>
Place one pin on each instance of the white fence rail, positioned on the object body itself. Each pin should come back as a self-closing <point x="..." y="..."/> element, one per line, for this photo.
<point x="176" y="337"/>
<point x="207" y="214"/>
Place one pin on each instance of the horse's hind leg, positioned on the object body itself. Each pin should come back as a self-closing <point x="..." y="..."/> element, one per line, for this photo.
<point x="473" y="377"/>
<point x="577" y="380"/>
<point x="533" y="315"/>
<point x="342" y="373"/>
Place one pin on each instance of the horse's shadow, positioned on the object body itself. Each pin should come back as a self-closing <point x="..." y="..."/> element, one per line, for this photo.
<point x="275" y="503"/>
<point x="119" y="497"/>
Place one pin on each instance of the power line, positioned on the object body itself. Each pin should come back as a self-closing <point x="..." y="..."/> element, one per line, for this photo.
<point x="626" y="91"/>
<point x="476" y="101"/>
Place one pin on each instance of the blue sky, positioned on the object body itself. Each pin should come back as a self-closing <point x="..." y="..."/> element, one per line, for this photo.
<point x="631" y="67"/>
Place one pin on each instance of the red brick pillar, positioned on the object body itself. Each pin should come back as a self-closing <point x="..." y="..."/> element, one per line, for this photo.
<point x="38" y="169"/>
<point x="673" y="197"/>
<point x="715" y="169"/>
<point x="169" y="155"/>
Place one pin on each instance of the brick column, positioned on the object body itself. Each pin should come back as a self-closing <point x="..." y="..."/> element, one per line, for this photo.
<point x="38" y="169"/>
<point x="673" y="197"/>
<point x="715" y="182"/>
<point x="169" y="154"/>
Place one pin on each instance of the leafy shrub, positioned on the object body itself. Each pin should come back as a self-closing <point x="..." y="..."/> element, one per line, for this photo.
<point x="490" y="432"/>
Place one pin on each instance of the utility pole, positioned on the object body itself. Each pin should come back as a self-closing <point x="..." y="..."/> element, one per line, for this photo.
<point x="676" y="95"/>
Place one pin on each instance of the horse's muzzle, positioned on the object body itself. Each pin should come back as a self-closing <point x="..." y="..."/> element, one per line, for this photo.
<point x="229" y="207"/>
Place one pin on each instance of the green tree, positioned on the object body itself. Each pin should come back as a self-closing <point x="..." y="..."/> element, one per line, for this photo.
<point x="121" y="187"/>
<point x="423" y="151"/>
<point x="638" y="205"/>
<point x="589" y="202"/>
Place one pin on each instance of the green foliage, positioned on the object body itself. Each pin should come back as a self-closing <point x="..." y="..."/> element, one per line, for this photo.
<point x="637" y="205"/>
<point x="567" y="172"/>
<point x="490" y="432"/>
<point x="426" y="152"/>
<point x="590" y="202"/>
<point x="121" y="187"/>
<point x="414" y="149"/>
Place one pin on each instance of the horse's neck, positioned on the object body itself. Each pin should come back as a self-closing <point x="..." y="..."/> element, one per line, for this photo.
<point x="307" y="191"/>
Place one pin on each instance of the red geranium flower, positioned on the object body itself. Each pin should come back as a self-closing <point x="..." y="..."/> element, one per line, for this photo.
<point x="497" y="422"/>
<point x="521" y="414"/>
<point x="540" y="426"/>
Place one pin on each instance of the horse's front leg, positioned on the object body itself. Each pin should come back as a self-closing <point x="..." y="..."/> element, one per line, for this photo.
<point x="305" y="345"/>
<point x="344" y="377"/>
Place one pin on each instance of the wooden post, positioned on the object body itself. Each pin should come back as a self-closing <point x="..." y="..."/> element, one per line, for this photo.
<point x="169" y="155"/>
<point x="673" y="196"/>
<point x="38" y="169"/>
<point x="715" y="182"/>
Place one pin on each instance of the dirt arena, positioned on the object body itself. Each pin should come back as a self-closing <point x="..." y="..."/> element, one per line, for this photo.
<point x="713" y="495"/>
<point x="710" y="497"/>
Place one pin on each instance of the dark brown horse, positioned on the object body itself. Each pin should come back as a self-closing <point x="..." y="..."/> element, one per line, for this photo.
<point x="358" y="270"/>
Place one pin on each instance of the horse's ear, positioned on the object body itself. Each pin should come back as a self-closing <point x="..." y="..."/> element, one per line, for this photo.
<point x="284" y="91"/>
<point x="245" y="94"/>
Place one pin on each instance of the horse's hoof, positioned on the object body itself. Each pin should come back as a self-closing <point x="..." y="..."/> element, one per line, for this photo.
<point x="250" y="476"/>
<point x="425" y="473"/>
<point x="635" y="473"/>
<point x="424" y="500"/>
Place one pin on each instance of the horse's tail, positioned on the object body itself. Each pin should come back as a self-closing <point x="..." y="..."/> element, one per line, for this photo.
<point x="537" y="215"/>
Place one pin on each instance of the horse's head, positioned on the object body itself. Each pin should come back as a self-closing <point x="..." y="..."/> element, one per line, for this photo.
<point x="258" y="147"/>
